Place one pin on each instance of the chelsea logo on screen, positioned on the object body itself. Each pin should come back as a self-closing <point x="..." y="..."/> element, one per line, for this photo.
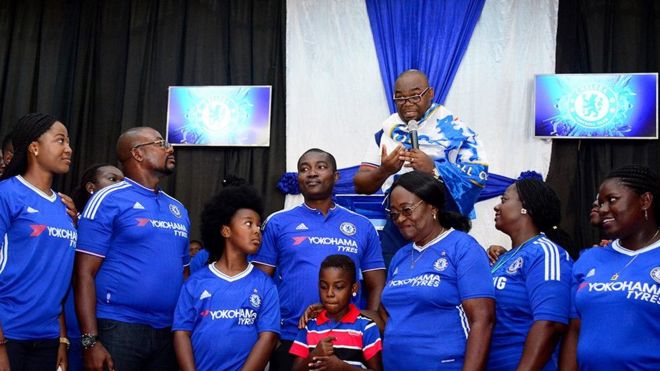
<point x="347" y="228"/>
<point x="515" y="266"/>
<point x="175" y="211"/>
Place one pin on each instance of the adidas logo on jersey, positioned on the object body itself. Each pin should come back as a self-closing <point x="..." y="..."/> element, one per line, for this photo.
<point x="591" y="272"/>
<point x="31" y="210"/>
<point x="301" y="227"/>
<point x="205" y="295"/>
<point x="138" y="205"/>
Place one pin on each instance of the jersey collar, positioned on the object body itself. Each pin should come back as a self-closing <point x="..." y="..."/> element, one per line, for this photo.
<point x="350" y="316"/>
<point x="316" y="211"/>
<point x="616" y="246"/>
<point x="228" y="278"/>
<point x="141" y="188"/>
<point x="36" y="190"/>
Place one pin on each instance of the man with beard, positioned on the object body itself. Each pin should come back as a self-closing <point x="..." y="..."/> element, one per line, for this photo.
<point x="131" y="260"/>
<point x="296" y="241"/>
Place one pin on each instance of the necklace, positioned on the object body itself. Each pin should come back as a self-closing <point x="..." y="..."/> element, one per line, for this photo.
<point x="515" y="251"/>
<point x="616" y="275"/>
<point x="412" y="249"/>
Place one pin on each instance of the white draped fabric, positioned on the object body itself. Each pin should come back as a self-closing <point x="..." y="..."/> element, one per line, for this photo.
<point x="336" y="101"/>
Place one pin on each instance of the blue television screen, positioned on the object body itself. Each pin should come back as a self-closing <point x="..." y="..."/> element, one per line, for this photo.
<point x="219" y="115"/>
<point x="613" y="106"/>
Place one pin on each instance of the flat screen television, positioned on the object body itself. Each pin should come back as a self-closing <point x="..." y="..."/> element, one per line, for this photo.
<point x="219" y="115"/>
<point x="612" y="106"/>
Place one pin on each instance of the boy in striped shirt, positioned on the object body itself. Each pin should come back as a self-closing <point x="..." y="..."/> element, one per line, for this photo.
<point x="339" y="337"/>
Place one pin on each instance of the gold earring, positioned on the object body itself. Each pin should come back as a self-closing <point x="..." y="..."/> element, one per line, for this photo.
<point x="523" y="211"/>
<point x="646" y="214"/>
<point x="434" y="216"/>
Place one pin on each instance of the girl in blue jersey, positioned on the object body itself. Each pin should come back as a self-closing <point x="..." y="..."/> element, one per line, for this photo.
<point x="37" y="248"/>
<point x="228" y="314"/>
<point x="532" y="280"/>
<point x="438" y="300"/>
<point x="617" y="288"/>
<point x="93" y="179"/>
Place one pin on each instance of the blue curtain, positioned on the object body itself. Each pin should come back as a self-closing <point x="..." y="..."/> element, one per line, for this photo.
<point x="495" y="185"/>
<point x="428" y="35"/>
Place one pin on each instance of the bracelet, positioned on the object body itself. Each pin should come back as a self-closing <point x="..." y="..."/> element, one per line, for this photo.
<point x="64" y="340"/>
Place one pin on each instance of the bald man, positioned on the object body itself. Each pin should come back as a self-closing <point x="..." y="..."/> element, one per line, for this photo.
<point x="131" y="260"/>
<point x="448" y="150"/>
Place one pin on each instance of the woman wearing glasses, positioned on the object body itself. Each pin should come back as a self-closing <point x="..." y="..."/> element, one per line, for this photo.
<point x="438" y="300"/>
<point x="36" y="255"/>
<point x="532" y="280"/>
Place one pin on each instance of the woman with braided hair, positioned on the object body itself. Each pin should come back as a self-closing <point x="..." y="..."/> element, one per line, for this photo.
<point x="617" y="288"/>
<point x="37" y="251"/>
<point x="532" y="280"/>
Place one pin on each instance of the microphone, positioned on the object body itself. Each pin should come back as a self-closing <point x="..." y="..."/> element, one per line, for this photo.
<point x="412" y="128"/>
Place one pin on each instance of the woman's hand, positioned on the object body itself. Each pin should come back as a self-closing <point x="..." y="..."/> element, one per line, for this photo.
<point x="494" y="252"/>
<point x="62" y="358"/>
<point x="311" y="312"/>
<point x="70" y="207"/>
<point x="4" y="358"/>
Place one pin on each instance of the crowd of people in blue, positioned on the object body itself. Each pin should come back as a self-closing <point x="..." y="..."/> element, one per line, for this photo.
<point x="104" y="280"/>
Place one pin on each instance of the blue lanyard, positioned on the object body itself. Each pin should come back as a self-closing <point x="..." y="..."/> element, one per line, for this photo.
<point x="501" y="262"/>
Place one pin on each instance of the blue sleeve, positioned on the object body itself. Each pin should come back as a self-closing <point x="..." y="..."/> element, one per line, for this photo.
<point x="269" y="316"/>
<point x="473" y="271"/>
<point x="199" y="261"/>
<point x="6" y="212"/>
<point x="185" y="312"/>
<point x="548" y="284"/>
<point x="95" y="227"/>
<point x="373" y="254"/>
<point x="186" y="259"/>
<point x="572" y="310"/>
<point x="267" y="253"/>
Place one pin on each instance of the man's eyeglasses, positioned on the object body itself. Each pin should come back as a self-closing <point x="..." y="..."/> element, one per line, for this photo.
<point x="162" y="143"/>
<point x="406" y="211"/>
<point x="413" y="98"/>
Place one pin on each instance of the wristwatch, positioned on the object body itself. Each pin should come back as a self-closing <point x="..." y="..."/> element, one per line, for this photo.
<point x="88" y="340"/>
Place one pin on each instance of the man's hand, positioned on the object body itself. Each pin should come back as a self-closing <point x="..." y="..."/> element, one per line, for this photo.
<point x="96" y="357"/>
<point x="417" y="160"/>
<point x="324" y="347"/>
<point x="391" y="163"/>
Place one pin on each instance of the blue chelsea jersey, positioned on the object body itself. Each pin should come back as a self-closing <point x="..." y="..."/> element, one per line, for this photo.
<point x="617" y="299"/>
<point x="427" y="326"/>
<point x="297" y="240"/>
<point x="225" y="315"/>
<point x="532" y="283"/>
<point x="142" y="236"/>
<point x="36" y="260"/>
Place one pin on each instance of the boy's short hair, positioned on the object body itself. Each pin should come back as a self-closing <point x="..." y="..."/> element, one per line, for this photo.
<point x="340" y="261"/>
